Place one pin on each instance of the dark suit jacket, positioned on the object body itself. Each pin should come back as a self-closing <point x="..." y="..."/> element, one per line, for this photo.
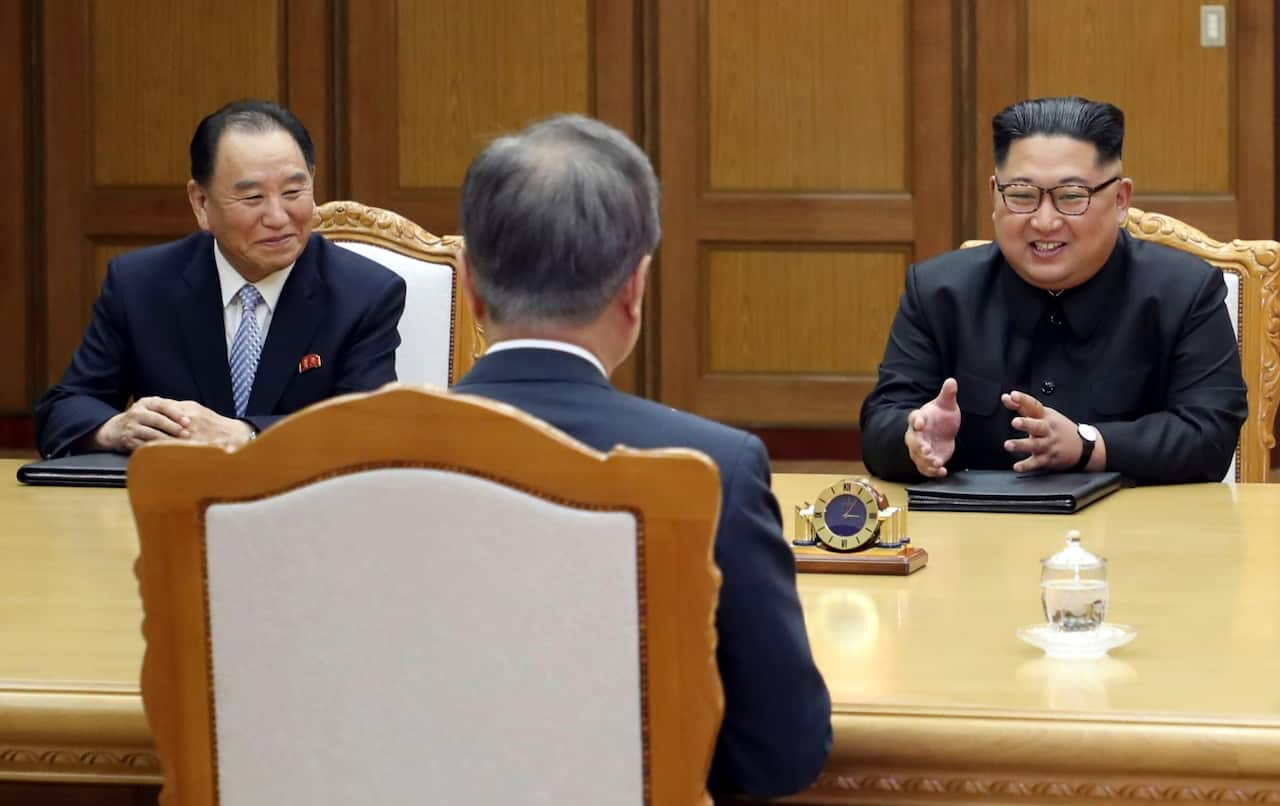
<point x="158" y="329"/>
<point x="776" y="732"/>
<point x="1144" y="351"/>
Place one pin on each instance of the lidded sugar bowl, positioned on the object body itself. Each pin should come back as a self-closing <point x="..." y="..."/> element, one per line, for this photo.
<point x="1073" y="587"/>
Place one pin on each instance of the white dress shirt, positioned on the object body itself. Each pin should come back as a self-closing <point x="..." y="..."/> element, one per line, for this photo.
<point x="231" y="282"/>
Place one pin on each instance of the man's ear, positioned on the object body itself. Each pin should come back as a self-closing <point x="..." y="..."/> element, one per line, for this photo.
<point x="1124" y="197"/>
<point x="631" y="295"/>
<point x="469" y="285"/>
<point x="311" y="190"/>
<point x="199" y="203"/>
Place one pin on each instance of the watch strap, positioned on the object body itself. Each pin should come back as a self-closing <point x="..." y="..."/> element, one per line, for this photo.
<point x="1086" y="453"/>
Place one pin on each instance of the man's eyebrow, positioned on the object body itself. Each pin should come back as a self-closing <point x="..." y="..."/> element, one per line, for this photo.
<point x="245" y="185"/>
<point x="1066" y="180"/>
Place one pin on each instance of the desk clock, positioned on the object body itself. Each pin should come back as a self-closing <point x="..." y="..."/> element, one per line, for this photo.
<point x="853" y="518"/>
<point x="850" y="515"/>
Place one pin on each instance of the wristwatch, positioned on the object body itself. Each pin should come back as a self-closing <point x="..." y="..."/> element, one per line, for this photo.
<point x="1088" y="439"/>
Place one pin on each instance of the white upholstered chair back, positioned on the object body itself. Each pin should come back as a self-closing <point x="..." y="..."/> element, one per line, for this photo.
<point x="438" y="337"/>
<point x="1251" y="270"/>
<point x="463" y="606"/>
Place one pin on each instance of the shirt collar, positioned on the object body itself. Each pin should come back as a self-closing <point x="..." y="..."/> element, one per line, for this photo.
<point x="549" y="344"/>
<point x="231" y="281"/>
<point x="1083" y="307"/>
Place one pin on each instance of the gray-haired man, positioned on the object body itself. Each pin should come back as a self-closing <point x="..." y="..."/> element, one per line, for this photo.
<point x="561" y="222"/>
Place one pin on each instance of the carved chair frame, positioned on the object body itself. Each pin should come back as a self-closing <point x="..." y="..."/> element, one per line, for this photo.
<point x="674" y="494"/>
<point x="353" y="221"/>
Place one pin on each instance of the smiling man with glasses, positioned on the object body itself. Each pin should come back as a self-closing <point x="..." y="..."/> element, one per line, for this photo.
<point x="1064" y="345"/>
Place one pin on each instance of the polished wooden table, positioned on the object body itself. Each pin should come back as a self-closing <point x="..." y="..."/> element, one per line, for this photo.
<point x="70" y="642"/>
<point x="935" y="700"/>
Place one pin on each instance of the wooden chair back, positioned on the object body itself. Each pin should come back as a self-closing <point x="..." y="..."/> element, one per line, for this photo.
<point x="418" y="597"/>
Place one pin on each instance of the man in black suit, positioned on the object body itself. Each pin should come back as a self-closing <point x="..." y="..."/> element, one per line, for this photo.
<point x="1066" y="344"/>
<point x="169" y="330"/>
<point x="561" y="221"/>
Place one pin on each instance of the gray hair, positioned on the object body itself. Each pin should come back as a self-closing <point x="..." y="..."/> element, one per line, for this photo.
<point x="556" y="217"/>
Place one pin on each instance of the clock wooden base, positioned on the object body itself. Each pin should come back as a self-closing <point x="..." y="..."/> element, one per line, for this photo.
<point x="890" y="562"/>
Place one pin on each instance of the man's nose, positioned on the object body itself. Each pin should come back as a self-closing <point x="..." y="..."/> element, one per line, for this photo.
<point x="1046" y="216"/>
<point x="274" y="215"/>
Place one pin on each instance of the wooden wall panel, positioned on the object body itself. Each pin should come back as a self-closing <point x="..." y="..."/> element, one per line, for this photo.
<point x="159" y="78"/>
<point x="817" y="311"/>
<point x="492" y="95"/>
<point x="413" y="118"/>
<point x="781" y="131"/>
<point x="1177" y="111"/>
<point x="851" y="154"/>
<point x="15" y="159"/>
<point x="124" y="86"/>
<point x="425" y="84"/>
<point x="797" y="112"/>
<point x="1199" y="121"/>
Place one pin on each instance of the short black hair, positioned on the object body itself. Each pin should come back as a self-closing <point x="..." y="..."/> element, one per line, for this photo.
<point x="246" y="115"/>
<point x="1096" y="122"/>
<point x="556" y="218"/>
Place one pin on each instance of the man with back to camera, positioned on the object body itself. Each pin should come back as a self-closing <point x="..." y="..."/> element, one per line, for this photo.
<point x="169" y="329"/>
<point x="560" y="222"/>
<point x="1067" y="344"/>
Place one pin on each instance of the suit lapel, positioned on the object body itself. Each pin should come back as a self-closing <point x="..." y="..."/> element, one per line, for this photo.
<point x="200" y="317"/>
<point x="298" y="313"/>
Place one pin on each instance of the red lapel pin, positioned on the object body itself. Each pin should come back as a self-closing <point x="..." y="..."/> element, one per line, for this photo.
<point x="309" y="361"/>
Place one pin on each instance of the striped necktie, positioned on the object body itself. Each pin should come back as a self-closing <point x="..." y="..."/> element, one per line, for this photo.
<point x="245" y="348"/>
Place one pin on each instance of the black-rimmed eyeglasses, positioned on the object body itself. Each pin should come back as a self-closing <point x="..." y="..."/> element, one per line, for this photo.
<point x="1022" y="198"/>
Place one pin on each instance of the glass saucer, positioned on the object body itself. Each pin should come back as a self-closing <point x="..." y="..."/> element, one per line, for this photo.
<point x="1083" y="645"/>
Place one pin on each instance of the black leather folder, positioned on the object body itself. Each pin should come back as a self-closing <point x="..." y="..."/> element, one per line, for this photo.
<point x="85" y="470"/>
<point x="1007" y="491"/>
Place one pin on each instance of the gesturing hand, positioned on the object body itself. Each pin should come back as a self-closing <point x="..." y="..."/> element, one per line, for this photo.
<point x="931" y="431"/>
<point x="1051" y="441"/>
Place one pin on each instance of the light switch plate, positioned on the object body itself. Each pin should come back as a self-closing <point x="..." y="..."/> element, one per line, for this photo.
<point x="1213" y="26"/>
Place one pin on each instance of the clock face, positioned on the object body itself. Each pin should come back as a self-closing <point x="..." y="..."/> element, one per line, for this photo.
<point x="845" y="516"/>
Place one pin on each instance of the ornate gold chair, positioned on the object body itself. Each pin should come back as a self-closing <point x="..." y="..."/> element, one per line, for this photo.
<point x="1251" y="270"/>
<point x="459" y="605"/>
<point x="439" y="339"/>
